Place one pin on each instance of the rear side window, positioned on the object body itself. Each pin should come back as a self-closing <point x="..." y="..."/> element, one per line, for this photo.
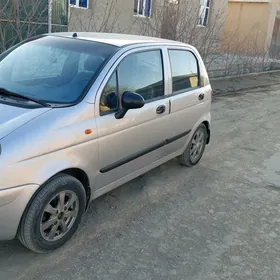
<point x="142" y="73"/>
<point x="184" y="69"/>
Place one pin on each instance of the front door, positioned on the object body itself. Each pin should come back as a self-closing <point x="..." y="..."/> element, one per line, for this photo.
<point x="137" y="140"/>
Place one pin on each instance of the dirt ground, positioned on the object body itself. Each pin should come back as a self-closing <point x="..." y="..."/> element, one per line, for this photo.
<point x="229" y="85"/>
<point x="218" y="220"/>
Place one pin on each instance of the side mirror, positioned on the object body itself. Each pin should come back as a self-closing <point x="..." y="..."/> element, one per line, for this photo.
<point x="130" y="100"/>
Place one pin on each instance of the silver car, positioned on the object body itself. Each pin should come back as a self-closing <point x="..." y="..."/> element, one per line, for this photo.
<point x="83" y="113"/>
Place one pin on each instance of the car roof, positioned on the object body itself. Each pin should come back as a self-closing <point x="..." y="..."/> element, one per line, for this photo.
<point x="119" y="40"/>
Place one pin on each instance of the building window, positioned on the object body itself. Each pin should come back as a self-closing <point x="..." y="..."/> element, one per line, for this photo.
<point x="203" y="16"/>
<point x="142" y="8"/>
<point x="79" y="3"/>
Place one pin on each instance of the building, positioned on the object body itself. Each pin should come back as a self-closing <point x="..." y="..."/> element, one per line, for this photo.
<point x="252" y="26"/>
<point x="162" y="18"/>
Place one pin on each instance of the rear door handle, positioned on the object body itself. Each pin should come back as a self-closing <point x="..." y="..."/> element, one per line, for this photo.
<point x="201" y="96"/>
<point x="161" y="109"/>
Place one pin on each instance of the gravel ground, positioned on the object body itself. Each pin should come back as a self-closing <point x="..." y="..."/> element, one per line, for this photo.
<point x="218" y="220"/>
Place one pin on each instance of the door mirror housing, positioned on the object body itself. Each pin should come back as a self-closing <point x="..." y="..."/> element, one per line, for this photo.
<point x="130" y="100"/>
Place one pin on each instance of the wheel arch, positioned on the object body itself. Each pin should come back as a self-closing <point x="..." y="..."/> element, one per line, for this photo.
<point x="207" y="125"/>
<point x="82" y="176"/>
<point x="77" y="173"/>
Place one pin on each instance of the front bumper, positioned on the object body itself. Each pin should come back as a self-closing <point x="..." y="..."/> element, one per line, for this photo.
<point x="13" y="202"/>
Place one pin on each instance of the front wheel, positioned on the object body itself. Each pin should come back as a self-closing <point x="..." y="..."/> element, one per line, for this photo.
<point x="53" y="215"/>
<point x="195" y="148"/>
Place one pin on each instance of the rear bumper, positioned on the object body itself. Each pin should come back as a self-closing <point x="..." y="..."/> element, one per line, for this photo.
<point x="13" y="202"/>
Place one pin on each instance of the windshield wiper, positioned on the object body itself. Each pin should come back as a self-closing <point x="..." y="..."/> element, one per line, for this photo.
<point x="17" y="95"/>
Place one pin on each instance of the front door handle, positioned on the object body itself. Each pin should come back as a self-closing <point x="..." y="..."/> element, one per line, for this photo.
<point x="161" y="109"/>
<point x="201" y="96"/>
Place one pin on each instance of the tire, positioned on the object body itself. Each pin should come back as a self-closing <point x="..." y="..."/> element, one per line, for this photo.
<point x="61" y="204"/>
<point x="187" y="158"/>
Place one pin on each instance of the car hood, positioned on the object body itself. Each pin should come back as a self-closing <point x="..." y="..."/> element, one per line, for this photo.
<point x="12" y="117"/>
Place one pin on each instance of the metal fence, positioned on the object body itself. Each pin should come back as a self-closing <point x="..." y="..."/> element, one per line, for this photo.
<point x="221" y="65"/>
<point x="59" y="15"/>
<point x="21" y="19"/>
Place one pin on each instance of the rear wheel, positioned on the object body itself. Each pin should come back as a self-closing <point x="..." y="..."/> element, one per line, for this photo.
<point x="195" y="148"/>
<point x="54" y="214"/>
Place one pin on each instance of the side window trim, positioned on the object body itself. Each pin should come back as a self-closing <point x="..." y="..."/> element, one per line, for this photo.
<point x="198" y="70"/>
<point x="167" y="72"/>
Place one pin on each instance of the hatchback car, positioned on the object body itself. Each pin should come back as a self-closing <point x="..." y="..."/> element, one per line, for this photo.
<point x="83" y="113"/>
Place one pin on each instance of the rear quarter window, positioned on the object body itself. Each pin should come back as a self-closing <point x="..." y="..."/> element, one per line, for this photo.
<point x="184" y="69"/>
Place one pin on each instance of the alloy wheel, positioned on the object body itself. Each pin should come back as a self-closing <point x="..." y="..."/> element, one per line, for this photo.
<point x="59" y="215"/>
<point x="197" y="145"/>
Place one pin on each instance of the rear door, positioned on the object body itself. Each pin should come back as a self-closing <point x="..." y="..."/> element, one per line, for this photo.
<point x="136" y="141"/>
<point x="187" y="97"/>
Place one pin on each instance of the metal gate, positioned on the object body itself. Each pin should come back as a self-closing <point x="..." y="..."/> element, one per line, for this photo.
<point x="59" y="15"/>
<point x="274" y="51"/>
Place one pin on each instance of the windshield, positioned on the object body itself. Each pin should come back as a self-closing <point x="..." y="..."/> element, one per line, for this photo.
<point x="53" y="69"/>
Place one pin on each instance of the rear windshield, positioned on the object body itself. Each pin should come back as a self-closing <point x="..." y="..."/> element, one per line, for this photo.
<point x="53" y="69"/>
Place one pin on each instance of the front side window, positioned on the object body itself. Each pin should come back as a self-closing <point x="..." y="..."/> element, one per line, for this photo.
<point x="142" y="8"/>
<point x="109" y="100"/>
<point x="53" y="69"/>
<point x="184" y="69"/>
<point x="79" y="3"/>
<point x="203" y="16"/>
<point x="142" y="73"/>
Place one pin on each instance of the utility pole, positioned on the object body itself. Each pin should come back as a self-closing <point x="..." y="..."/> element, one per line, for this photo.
<point x="50" y="15"/>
